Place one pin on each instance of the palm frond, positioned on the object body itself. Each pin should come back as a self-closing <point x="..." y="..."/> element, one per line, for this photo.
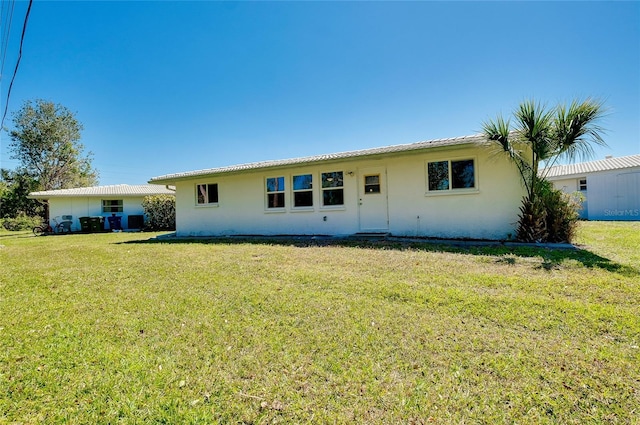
<point x="577" y="129"/>
<point x="534" y="127"/>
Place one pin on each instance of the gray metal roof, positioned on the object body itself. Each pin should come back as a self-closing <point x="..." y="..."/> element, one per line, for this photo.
<point x="123" y="190"/>
<point x="430" y="144"/>
<point x="583" y="168"/>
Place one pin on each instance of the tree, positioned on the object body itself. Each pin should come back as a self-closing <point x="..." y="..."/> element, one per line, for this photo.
<point x="46" y="142"/>
<point x="14" y="188"/>
<point x="539" y="139"/>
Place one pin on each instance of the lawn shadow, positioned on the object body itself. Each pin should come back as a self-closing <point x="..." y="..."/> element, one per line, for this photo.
<point x="553" y="256"/>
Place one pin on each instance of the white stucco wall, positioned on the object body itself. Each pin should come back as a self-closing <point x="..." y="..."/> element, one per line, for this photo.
<point x="488" y="212"/>
<point x="92" y="207"/>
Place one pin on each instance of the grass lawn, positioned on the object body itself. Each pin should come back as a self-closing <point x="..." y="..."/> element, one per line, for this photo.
<point x="113" y="328"/>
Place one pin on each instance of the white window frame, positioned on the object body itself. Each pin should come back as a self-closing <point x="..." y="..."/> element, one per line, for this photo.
<point x="451" y="190"/>
<point x="294" y="207"/>
<point x="324" y="189"/>
<point x="119" y="206"/>
<point x="282" y="191"/>
<point x="207" y="203"/>
<point x="582" y="187"/>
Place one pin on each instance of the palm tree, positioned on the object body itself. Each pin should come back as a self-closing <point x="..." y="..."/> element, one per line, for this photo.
<point x="539" y="139"/>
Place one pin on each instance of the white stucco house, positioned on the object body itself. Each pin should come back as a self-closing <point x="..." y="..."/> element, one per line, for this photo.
<point x="450" y="188"/>
<point x="611" y="186"/>
<point x="123" y="200"/>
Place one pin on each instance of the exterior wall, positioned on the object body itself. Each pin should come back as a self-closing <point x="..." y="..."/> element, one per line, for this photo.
<point x="405" y="208"/>
<point x="92" y="207"/>
<point x="611" y="195"/>
<point x="614" y="195"/>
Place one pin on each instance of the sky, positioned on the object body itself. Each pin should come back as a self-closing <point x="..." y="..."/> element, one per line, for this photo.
<point x="162" y="87"/>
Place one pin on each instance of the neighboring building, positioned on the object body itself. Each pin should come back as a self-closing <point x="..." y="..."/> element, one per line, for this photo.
<point x="611" y="186"/>
<point x="450" y="188"/>
<point x="123" y="200"/>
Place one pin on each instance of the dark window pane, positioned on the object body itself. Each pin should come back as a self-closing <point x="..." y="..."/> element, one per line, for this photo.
<point x="276" y="200"/>
<point x="462" y="174"/>
<point x="371" y="188"/>
<point x="438" y="175"/>
<point x="372" y="179"/>
<point x="275" y="184"/>
<point x="333" y="197"/>
<point x="212" y="191"/>
<point x="372" y="184"/>
<point x="333" y="179"/>
<point x="302" y="182"/>
<point x="303" y="199"/>
<point x="202" y="193"/>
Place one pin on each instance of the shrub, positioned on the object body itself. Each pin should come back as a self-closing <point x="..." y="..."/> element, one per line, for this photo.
<point x="552" y="216"/>
<point x="561" y="215"/>
<point x="160" y="211"/>
<point x="21" y="222"/>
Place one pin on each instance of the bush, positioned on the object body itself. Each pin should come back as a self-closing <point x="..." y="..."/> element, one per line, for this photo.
<point x="551" y="217"/>
<point x="160" y="211"/>
<point x="561" y="215"/>
<point x="21" y="222"/>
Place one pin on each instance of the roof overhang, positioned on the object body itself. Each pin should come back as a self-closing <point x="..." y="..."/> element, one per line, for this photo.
<point x="386" y="151"/>
<point x="120" y="191"/>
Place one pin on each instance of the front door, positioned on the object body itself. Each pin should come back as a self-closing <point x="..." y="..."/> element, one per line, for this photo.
<point x="372" y="192"/>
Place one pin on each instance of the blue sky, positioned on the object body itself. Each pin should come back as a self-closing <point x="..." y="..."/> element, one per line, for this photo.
<point x="164" y="87"/>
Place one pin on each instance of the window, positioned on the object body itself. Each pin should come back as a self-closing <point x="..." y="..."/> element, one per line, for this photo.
<point x="332" y="191"/>
<point x="207" y="194"/>
<point x="372" y="184"/>
<point x="448" y="175"/>
<point x="275" y="192"/>
<point x="303" y="190"/>
<point x="112" y="205"/>
<point x="582" y="184"/>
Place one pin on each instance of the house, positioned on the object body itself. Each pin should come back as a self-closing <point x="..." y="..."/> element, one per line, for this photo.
<point x="611" y="186"/>
<point x="449" y="188"/>
<point x="123" y="200"/>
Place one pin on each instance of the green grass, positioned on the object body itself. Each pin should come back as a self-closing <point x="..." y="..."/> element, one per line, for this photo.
<point x="113" y="328"/>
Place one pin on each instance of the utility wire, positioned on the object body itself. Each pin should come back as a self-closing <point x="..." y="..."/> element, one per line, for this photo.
<point x="8" y="18"/>
<point x="15" y="71"/>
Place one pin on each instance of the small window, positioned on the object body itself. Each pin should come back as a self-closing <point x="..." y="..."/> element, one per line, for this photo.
<point x="372" y="184"/>
<point x="582" y="184"/>
<point x="275" y="192"/>
<point x="303" y="190"/>
<point x="451" y="175"/>
<point x="112" y="205"/>
<point x="207" y="194"/>
<point x="332" y="189"/>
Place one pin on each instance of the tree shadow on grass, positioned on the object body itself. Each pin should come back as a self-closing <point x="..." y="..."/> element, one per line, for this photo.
<point x="552" y="257"/>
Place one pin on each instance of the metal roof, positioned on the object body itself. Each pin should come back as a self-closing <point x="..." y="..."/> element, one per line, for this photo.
<point x="583" y="168"/>
<point x="430" y="144"/>
<point x="123" y="190"/>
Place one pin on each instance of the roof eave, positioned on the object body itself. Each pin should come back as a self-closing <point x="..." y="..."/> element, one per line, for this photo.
<point x="254" y="167"/>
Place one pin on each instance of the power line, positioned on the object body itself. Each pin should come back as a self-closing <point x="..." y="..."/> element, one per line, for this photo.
<point x="6" y="21"/>
<point x="15" y="71"/>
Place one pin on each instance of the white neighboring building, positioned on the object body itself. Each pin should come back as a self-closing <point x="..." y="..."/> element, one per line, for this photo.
<point x="123" y="200"/>
<point x="449" y="188"/>
<point x="611" y="186"/>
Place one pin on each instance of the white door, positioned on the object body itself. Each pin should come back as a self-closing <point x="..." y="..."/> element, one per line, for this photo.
<point x="628" y="188"/>
<point x="372" y="192"/>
